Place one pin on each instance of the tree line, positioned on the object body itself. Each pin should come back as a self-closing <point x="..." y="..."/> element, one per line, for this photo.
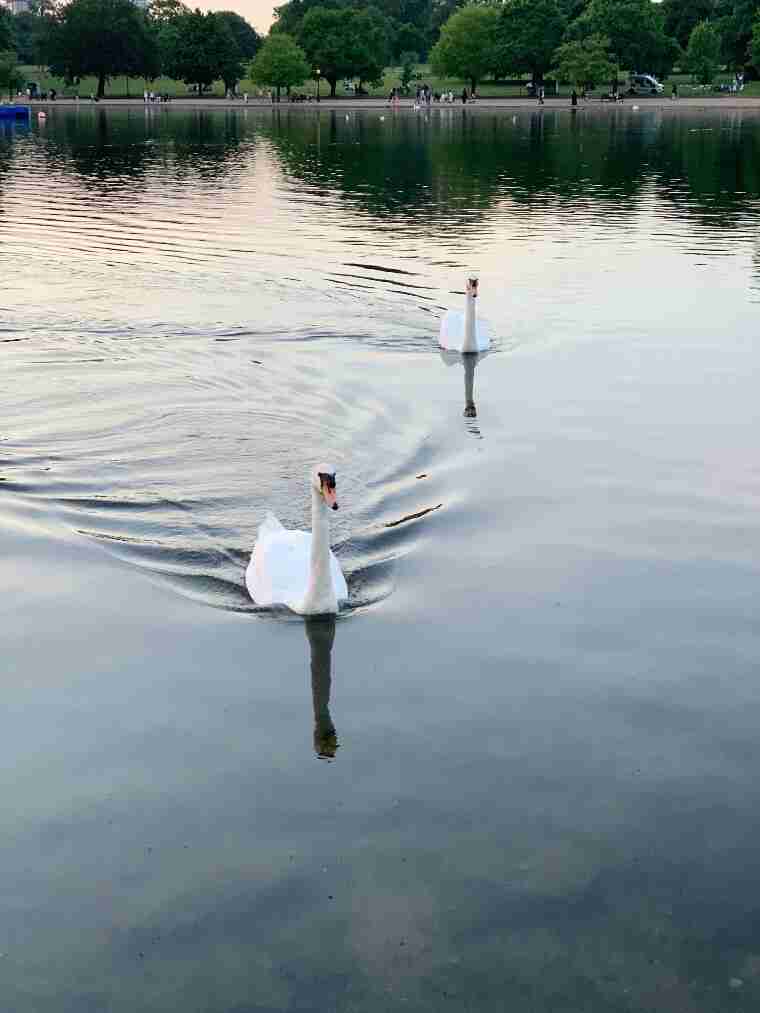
<point x="106" y="38"/>
<point x="581" y="41"/>
<point x="589" y="42"/>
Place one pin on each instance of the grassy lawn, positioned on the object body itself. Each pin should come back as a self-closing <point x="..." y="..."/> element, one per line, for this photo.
<point x="121" y="87"/>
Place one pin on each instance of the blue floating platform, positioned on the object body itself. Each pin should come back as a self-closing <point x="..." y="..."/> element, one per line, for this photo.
<point x="14" y="112"/>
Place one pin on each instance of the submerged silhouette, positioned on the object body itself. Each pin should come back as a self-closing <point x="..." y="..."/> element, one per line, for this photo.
<point x="469" y="361"/>
<point x="320" y="631"/>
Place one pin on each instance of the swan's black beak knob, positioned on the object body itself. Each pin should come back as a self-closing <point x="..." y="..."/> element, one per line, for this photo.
<point x="335" y="506"/>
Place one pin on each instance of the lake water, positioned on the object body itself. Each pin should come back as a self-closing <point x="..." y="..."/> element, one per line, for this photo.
<point x="520" y="771"/>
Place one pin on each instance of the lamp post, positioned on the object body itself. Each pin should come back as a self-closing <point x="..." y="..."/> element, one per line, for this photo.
<point x="318" y="72"/>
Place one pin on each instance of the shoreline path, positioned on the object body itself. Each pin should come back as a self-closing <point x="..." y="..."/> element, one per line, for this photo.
<point x="724" y="103"/>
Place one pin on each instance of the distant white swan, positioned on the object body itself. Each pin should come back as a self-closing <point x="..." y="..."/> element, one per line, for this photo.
<point x="462" y="332"/>
<point x="295" y="568"/>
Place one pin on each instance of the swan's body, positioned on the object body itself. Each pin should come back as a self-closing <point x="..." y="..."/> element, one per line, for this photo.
<point x="463" y="332"/>
<point x="295" y="568"/>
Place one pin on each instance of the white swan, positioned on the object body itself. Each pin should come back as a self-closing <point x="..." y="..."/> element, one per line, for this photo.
<point x="461" y="332"/>
<point x="295" y="568"/>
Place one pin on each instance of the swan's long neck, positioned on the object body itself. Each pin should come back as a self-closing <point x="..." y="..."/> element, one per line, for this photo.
<point x="320" y="596"/>
<point x="469" y="344"/>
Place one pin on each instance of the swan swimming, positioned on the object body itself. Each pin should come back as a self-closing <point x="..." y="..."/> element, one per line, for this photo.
<point x="295" y="568"/>
<point x="462" y="332"/>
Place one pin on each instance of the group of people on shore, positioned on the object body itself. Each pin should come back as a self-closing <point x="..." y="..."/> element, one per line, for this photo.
<point x="154" y="96"/>
<point x="425" y="96"/>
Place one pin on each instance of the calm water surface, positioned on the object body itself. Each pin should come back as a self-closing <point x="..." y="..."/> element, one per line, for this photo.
<point x="520" y="772"/>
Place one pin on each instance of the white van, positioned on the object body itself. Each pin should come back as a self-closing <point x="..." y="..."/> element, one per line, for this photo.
<point x="644" y="84"/>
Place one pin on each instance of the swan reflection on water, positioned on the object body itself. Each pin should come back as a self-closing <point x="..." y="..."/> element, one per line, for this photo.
<point x="469" y="361"/>
<point x="320" y="631"/>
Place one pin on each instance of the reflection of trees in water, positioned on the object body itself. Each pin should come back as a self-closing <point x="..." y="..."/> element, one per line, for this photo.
<point x="446" y="167"/>
<point x="446" y="160"/>
<point x="708" y="166"/>
<point x="114" y="147"/>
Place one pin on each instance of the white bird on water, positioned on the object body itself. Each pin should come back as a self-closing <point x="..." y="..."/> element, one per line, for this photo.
<point x="463" y="332"/>
<point x="295" y="568"/>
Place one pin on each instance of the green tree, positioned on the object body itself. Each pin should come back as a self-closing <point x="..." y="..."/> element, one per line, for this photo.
<point x="247" y="39"/>
<point x="162" y="12"/>
<point x="7" y="34"/>
<point x="408" y="64"/>
<point x="280" y="63"/>
<point x="326" y="40"/>
<point x="371" y="48"/>
<point x="635" y="29"/>
<point x="468" y="47"/>
<point x="703" y="52"/>
<point x="754" y="44"/>
<point x="682" y="16"/>
<point x="584" y="63"/>
<point x="25" y="30"/>
<point x="231" y="59"/>
<point x="102" y="38"/>
<point x="734" y="20"/>
<point x="408" y="38"/>
<point x="11" y="78"/>
<point x="529" y="33"/>
<point x="198" y="49"/>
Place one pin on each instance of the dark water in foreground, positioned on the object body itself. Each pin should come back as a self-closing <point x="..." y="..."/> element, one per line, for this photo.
<point x="523" y="773"/>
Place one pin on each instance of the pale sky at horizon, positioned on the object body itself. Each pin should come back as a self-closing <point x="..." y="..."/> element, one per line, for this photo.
<point x="258" y="12"/>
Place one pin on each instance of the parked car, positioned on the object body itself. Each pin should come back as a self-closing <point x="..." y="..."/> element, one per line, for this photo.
<point x="644" y="84"/>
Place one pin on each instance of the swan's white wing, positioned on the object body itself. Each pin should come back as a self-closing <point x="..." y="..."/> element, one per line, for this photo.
<point x="339" y="581"/>
<point x="452" y="331"/>
<point x="482" y="335"/>
<point x="278" y="573"/>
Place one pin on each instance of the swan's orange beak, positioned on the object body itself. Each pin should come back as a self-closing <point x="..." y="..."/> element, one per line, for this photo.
<point x="330" y="496"/>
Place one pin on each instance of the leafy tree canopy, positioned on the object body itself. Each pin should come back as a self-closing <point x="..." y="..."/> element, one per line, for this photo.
<point x="734" y="20"/>
<point x="586" y="62"/>
<point x="163" y="11"/>
<point x="11" y="78"/>
<point x="468" y="47"/>
<point x="325" y="38"/>
<point x="682" y="16"/>
<point x="371" y="48"/>
<point x="247" y="39"/>
<point x="635" y="29"/>
<point x="280" y="63"/>
<point x="408" y="38"/>
<point x="102" y="38"/>
<point x="199" y="49"/>
<point x="703" y="53"/>
<point x="7" y="39"/>
<point x="529" y="33"/>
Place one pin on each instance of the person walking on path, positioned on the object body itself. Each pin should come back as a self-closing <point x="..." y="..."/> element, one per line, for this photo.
<point x="541" y="93"/>
<point x="674" y="92"/>
<point x="574" y="98"/>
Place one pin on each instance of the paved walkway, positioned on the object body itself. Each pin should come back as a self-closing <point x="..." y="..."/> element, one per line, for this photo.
<point x="664" y="103"/>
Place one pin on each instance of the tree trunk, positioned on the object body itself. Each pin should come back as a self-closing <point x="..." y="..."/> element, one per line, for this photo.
<point x="473" y="85"/>
<point x="333" y="84"/>
<point x="278" y="93"/>
<point x="101" y="86"/>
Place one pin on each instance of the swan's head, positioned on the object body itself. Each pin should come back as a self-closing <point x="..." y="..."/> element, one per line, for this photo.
<point x="323" y="481"/>
<point x="472" y="287"/>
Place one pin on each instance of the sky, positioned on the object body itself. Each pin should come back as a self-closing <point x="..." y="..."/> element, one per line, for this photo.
<point x="258" y="12"/>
